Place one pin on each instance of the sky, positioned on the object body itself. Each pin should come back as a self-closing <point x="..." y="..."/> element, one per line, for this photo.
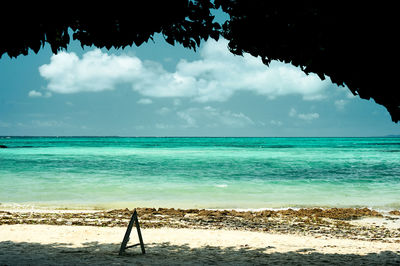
<point x="162" y="90"/>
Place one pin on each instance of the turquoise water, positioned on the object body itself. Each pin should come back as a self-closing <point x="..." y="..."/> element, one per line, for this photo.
<point x="240" y="173"/>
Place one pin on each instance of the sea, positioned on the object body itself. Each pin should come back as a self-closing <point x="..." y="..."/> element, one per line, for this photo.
<point x="199" y="172"/>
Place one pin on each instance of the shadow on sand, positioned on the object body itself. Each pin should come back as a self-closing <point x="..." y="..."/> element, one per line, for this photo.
<point x="93" y="253"/>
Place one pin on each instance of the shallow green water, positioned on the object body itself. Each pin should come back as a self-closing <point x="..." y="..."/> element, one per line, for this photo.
<point x="241" y="173"/>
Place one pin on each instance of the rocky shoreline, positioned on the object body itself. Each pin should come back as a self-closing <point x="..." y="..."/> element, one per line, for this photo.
<point x="324" y="223"/>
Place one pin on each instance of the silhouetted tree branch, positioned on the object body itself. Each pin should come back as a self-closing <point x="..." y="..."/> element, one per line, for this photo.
<point x="352" y="45"/>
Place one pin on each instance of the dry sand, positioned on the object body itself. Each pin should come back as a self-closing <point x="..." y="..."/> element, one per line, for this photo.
<point x="23" y="244"/>
<point x="201" y="237"/>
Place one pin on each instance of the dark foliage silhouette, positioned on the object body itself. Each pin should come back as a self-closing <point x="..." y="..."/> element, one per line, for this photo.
<point x="354" y="45"/>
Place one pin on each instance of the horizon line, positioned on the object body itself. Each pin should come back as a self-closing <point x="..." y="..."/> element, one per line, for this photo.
<point x="116" y="136"/>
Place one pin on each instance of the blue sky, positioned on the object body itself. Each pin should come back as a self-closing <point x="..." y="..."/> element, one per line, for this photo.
<point x="162" y="90"/>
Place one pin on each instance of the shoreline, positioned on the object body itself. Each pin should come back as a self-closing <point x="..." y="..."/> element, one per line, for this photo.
<point x="349" y="223"/>
<point x="94" y="207"/>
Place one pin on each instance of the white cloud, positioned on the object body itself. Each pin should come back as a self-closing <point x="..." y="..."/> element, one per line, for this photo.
<point x="164" y="126"/>
<point x="189" y="119"/>
<point x="292" y="112"/>
<point x="344" y="91"/>
<point x="350" y="95"/>
<point x="145" y="101"/>
<point x="95" y="71"/>
<point x="276" y="123"/>
<point x="37" y="94"/>
<point x="215" y="77"/>
<point x="34" y="93"/>
<point x="47" y="123"/>
<point x="213" y="117"/>
<point x="340" y="104"/>
<point x="163" y="111"/>
<point x="177" y="102"/>
<point x="307" y="117"/>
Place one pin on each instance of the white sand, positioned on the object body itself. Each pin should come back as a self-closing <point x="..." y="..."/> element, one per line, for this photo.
<point x="378" y="221"/>
<point x="72" y="245"/>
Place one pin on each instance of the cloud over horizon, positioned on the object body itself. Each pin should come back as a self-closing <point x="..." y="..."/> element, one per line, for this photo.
<point x="215" y="77"/>
<point x="37" y="94"/>
<point x="307" y="117"/>
<point x="213" y="117"/>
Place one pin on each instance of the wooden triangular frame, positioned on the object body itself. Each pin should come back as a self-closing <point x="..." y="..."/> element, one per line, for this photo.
<point x="134" y="219"/>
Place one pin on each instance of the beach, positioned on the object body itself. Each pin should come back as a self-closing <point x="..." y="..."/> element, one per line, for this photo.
<point x="200" y="201"/>
<point x="201" y="237"/>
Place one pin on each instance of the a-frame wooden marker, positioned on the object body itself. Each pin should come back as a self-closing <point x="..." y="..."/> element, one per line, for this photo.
<point x="134" y="219"/>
